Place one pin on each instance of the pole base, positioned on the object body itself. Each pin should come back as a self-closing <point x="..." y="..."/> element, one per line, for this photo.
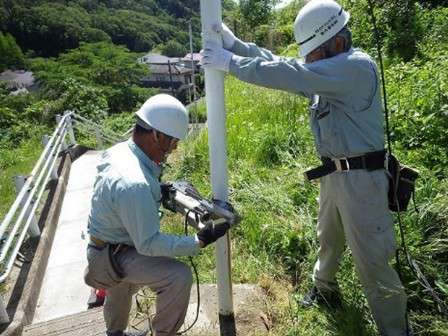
<point x="227" y="325"/>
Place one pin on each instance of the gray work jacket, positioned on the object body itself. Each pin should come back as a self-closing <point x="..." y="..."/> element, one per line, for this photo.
<point x="345" y="103"/>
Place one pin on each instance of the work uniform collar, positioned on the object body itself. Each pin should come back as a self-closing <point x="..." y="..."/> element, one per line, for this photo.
<point x="345" y="54"/>
<point x="144" y="159"/>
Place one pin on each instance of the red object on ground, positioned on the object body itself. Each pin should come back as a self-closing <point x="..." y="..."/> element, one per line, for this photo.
<point x="96" y="298"/>
<point x="101" y="293"/>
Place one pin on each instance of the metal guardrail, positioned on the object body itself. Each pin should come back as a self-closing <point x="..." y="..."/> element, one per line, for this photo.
<point x="20" y="219"/>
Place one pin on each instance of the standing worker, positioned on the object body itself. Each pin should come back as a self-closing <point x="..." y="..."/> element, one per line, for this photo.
<point x="346" y="118"/>
<point x="126" y="249"/>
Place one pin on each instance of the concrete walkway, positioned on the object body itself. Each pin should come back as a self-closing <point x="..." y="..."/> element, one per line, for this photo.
<point x="63" y="290"/>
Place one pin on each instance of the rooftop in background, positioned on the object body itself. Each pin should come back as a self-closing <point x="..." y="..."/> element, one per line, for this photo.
<point x="165" y="69"/>
<point x="154" y="58"/>
<point x="17" y="79"/>
<point x="187" y="57"/>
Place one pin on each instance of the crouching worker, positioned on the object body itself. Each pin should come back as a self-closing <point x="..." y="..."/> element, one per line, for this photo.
<point x="346" y="119"/>
<point x="126" y="248"/>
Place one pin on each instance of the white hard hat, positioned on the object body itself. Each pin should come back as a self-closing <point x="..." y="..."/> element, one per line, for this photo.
<point x="317" y="22"/>
<point x="166" y="114"/>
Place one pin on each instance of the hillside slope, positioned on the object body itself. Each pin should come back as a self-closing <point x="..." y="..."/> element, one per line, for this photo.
<point x="50" y="27"/>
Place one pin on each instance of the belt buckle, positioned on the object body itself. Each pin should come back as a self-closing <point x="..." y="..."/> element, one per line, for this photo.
<point x="338" y="163"/>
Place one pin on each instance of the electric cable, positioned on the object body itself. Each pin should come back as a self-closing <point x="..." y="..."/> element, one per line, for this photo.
<point x="415" y="269"/>
<point x="193" y="265"/>
<point x="144" y="313"/>
<point x="383" y="80"/>
<point x="139" y="310"/>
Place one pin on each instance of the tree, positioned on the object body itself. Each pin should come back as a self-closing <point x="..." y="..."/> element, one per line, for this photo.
<point x="51" y="27"/>
<point x="174" y="49"/>
<point x="111" y="70"/>
<point x="256" y="12"/>
<point x="11" y="55"/>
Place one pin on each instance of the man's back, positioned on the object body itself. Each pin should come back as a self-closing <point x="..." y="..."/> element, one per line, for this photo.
<point x="120" y="171"/>
<point x="346" y="113"/>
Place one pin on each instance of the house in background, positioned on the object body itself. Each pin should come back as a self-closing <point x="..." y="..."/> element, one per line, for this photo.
<point x="187" y="59"/>
<point x="170" y="75"/>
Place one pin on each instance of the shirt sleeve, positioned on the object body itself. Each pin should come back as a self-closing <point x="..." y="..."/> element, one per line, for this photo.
<point x="139" y="213"/>
<point x="329" y="78"/>
<point x="252" y="50"/>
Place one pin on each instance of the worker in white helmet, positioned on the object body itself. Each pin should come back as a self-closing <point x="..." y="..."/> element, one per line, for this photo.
<point x="347" y="122"/>
<point x="126" y="249"/>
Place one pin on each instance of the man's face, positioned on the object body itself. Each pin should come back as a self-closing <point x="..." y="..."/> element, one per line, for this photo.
<point x="166" y="144"/>
<point x="335" y="47"/>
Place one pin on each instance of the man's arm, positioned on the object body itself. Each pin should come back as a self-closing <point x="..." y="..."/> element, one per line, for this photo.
<point x="325" y="78"/>
<point x="240" y="48"/>
<point x="245" y="49"/>
<point x="139" y="213"/>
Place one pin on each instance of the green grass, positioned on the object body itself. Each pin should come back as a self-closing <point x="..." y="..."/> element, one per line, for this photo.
<point x="269" y="147"/>
<point x="17" y="161"/>
<point x="13" y="162"/>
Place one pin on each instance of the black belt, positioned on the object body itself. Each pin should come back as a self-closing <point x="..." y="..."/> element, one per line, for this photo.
<point x="370" y="161"/>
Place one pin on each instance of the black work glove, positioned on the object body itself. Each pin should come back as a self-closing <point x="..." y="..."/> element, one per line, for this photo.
<point x="168" y="194"/>
<point x="211" y="232"/>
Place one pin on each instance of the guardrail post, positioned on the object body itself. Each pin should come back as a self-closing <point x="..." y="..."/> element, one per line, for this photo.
<point x="64" y="144"/>
<point x="71" y="134"/>
<point x="54" y="172"/>
<point x="99" y="142"/>
<point x="33" y="229"/>
<point x="4" y="318"/>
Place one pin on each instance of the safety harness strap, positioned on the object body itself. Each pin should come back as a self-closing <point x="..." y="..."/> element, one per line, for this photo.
<point x="370" y="161"/>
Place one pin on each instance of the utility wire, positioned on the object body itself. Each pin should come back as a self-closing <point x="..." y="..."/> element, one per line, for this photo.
<point x="383" y="80"/>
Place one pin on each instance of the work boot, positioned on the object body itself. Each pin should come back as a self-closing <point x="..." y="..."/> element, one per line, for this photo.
<point x="127" y="333"/>
<point x="331" y="299"/>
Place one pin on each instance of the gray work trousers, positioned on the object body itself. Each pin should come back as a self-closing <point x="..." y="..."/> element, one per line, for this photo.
<point x="169" y="278"/>
<point x="354" y="209"/>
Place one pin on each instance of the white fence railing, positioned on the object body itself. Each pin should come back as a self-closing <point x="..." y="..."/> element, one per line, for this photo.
<point x="20" y="220"/>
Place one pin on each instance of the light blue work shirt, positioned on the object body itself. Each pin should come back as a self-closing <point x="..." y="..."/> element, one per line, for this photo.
<point x="345" y="103"/>
<point x="126" y="201"/>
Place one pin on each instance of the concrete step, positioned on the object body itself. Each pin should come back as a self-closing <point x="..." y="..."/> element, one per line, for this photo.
<point x="87" y="323"/>
<point x="249" y="316"/>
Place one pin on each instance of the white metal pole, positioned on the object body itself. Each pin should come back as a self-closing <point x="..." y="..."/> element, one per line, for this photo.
<point x="33" y="229"/>
<point x="4" y="318"/>
<point x="71" y="133"/>
<point x="54" y="173"/>
<point x="58" y="120"/>
<point x="99" y="142"/>
<point x="216" y="123"/>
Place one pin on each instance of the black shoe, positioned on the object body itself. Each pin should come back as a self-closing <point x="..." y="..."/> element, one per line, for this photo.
<point x="331" y="299"/>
